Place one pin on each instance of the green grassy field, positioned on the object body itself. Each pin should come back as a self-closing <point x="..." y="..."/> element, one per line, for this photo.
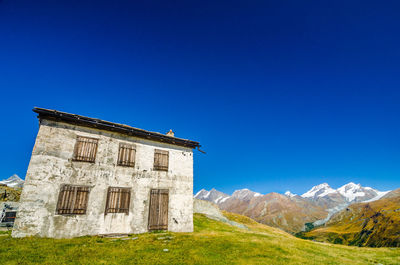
<point x="212" y="242"/>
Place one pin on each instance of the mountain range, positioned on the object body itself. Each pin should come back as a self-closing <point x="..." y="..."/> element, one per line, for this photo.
<point x="292" y="212"/>
<point x="371" y="223"/>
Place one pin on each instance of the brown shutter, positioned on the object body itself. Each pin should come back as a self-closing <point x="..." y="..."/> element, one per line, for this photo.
<point x="163" y="219"/>
<point x="85" y="149"/>
<point x="153" y="210"/>
<point x="126" y="155"/>
<point x="161" y="160"/>
<point x="72" y="199"/>
<point x="158" y="209"/>
<point x="118" y="200"/>
<point x="82" y="196"/>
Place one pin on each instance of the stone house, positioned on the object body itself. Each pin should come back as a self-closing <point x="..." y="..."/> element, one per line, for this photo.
<point x="88" y="177"/>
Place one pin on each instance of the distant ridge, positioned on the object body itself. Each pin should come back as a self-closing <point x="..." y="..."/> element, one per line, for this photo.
<point x="14" y="182"/>
<point x="289" y="211"/>
<point x="372" y="224"/>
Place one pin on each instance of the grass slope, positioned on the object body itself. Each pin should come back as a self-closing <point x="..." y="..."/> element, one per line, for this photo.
<point x="9" y="194"/>
<point x="212" y="242"/>
<point x="373" y="224"/>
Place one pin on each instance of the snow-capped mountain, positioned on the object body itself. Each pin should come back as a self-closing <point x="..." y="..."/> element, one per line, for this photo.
<point x="350" y="192"/>
<point x="213" y="195"/>
<point x="355" y="192"/>
<point x="324" y="196"/>
<point x="14" y="182"/>
<point x="289" y="194"/>
<point x="320" y="190"/>
<point x="201" y="194"/>
<point x="218" y="197"/>
<point x="336" y="200"/>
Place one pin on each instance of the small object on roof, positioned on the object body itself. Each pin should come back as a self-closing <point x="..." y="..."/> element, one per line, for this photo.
<point x="170" y="133"/>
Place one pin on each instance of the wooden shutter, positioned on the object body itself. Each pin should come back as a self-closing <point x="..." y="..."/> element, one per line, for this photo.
<point x="158" y="210"/>
<point x="72" y="199"/>
<point x="118" y="200"/>
<point x="126" y="155"/>
<point x="85" y="149"/>
<point x="161" y="160"/>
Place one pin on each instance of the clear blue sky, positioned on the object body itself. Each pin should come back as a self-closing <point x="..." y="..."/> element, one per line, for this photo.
<point x="282" y="95"/>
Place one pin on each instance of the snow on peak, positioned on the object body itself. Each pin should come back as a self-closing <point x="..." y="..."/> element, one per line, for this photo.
<point x="320" y="190"/>
<point x="213" y="195"/>
<point x="349" y="186"/>
<point x="352" y="191"/>
<point x="198" y="194"/>
<point x="355" y="192"/>
<point x="289" y="194"/>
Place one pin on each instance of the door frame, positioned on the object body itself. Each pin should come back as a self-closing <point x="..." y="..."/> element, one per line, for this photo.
<point x="149" y="212"/>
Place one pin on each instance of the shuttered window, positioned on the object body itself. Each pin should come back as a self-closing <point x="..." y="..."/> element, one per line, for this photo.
<point x="85" y="149"/>
<point x="161" y="158"/>
<point x="118" y="200"/>
<point x="126" y="155"/>
<point x="72" y="199"/>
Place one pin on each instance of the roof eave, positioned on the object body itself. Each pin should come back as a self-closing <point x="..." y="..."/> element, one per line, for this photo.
<point x="114" y="127"/>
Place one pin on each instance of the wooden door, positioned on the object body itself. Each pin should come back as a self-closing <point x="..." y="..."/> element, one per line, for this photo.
<point x="158" y="211"/>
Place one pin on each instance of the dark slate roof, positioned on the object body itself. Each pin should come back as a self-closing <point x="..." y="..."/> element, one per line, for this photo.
<point x="110" y="126"/>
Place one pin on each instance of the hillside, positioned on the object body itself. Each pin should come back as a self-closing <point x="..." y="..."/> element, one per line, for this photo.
<point x="277" y="210"/>
<point x="373" y="224"/>
<point x="213" y="242"/>
<point x="9" y="194"/>
<point x="393" y="193"/>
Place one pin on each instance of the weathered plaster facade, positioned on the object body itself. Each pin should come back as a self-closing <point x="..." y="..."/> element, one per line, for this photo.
<point x="51" y="166"/>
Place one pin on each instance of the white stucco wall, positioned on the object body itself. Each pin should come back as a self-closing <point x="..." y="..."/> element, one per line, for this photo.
<point x="51" y="166"/>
